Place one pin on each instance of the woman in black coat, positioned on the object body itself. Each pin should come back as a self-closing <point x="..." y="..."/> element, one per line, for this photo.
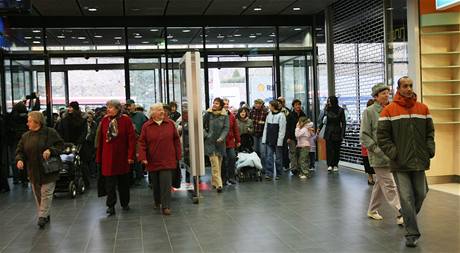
<point x="334" y="121"/>
<point x="36" y="145"/>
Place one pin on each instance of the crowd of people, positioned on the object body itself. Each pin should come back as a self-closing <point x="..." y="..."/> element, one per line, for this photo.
<point x="120" y="144"/>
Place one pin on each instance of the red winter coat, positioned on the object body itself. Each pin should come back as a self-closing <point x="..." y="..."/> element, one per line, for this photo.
<point x="233" y="136"/>
<point x="114" y="155"/>
<point x="159" y="145"/>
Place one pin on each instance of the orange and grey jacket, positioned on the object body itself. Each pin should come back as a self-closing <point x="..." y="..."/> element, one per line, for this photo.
<point x="405" y="133"/>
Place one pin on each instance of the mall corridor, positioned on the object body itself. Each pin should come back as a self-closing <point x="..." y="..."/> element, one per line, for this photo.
<point x="324" y="214"/>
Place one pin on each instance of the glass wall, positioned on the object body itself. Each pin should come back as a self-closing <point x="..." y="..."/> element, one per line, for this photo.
<point x="261" y="84"/>
<point x="143" y="78"/>
<point x="294" y="79"/>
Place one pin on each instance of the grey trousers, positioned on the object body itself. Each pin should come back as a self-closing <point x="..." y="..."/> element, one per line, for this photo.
<point x="412" y="187"/>
<point x="384" y="189"/>
<point x="161" y="182"/>
<point x="43" y="197"/>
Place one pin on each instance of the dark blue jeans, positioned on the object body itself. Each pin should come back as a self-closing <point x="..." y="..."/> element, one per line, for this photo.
<point x="273" y="160"/>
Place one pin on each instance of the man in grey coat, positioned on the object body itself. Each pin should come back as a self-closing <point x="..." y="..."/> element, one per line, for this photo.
<point x="216" y="125"/>
<point x="385" y="186"/>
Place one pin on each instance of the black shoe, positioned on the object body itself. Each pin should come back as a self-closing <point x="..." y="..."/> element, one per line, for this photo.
<point x="232" y="181"/>
<point x="48" y="219"/>
<point x="411" y="241"/>
<point x="219" y="189"/>
<point x="41" y="222"/>
<point x="268" y="178"/>
<point x="126" y="208"/>
<point x="110" y="211"/>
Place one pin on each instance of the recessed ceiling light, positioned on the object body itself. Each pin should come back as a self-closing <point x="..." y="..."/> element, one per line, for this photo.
<point x="258" y="34"/>
<point x="98" y="36"/>
<point x="272" y="35"/>
<point x="27" y="37"/>
<point x="201" y="35"/>
<point x="296" y="9"/>
<point x="237" y="35"/>
<point x="37" y="37"/>
<point x="174" y="40"/>
<point x="154" y="30"/>
<point x="36" y="42"/>
<point x="318" y="28"/>
<point x="169" y="36"/>
<point x="36" y="31"/>
<point x="269" y="41"/>
<point x="85" y="42"/>
<point x="232" y="40"/>
<point x="81" y="38"/>
<point x="60" y="36"/>
<point x="186" y="30"/>
<point x="257" y="9"/>
<point x="138" y="36"/>
<point x="92" y="9"/>
<point x="298" y="29"/>
<point x="220" y="36"/>
<point x="117" y="37"/>
<point x="145" y="42"/>
<point x="135" y="9"/>
<point x="252" y="36"/>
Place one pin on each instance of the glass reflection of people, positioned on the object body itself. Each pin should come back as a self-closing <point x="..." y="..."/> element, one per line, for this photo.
<point x="17" y="127"/>
<point x="174" y="115"/>
<point x="216" y="127"/>
<point x="36" y="145"/>
<point x="160" y="151"/>
<point x="116" y="142"/>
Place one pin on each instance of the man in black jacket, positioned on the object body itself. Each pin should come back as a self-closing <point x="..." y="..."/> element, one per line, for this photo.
<point x="292" y="120"/>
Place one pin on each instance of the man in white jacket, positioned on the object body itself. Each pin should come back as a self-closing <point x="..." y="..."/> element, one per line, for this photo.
<point x="273" y="136"/>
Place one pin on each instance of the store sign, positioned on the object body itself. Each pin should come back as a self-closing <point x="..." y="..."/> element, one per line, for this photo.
<point x="445" y="4"/>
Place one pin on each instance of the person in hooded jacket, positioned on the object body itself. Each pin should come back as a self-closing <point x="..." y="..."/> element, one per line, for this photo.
<point x="405" y="134"/>
<point x="216" y="126"/>
<point x="273" y="136"/>
<point x="334" y="132"/>
<point x="72" y="126"/>
<point x="17" y="127"/>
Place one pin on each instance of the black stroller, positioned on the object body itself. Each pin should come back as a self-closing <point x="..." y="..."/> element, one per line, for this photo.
<point x="70" y="177"/>
<point x="246" y="168"/>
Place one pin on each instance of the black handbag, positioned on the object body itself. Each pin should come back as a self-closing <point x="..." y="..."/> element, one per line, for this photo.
<point x="54" y="163"/>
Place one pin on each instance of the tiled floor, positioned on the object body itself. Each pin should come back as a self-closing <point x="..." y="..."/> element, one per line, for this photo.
<point x="325" y="214"/>
<point x="453" y="188"/>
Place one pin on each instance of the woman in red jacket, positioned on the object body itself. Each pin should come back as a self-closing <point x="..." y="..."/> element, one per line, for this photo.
<point x="115" y="152"/>
<point x="159" y="151"/>
<point x="232" y="142"/>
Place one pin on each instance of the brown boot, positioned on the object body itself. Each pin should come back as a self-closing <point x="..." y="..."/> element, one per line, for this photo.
<point x="166" y="211"/>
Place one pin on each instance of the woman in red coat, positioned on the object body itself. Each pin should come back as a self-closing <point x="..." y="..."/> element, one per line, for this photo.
<point x="159" y="151"/>
<point x="116" y="140"/>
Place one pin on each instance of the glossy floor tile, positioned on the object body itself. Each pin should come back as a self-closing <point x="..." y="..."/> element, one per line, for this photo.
<point x="326" y="213"/>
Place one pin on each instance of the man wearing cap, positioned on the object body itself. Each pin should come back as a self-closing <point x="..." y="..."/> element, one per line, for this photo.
<point x="405" y="134"/>
<point x="258" y="115"/>
<point x="384" y="187"/>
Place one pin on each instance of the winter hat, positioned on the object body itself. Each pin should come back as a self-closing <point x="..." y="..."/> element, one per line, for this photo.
<point x="129" y="101"/>
<point x="376" y="89"/>
<point x="74" y="105"/>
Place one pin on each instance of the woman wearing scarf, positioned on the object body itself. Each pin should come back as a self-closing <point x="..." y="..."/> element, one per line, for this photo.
<point x="216" y="126"/>
<point x="115" y="152"/>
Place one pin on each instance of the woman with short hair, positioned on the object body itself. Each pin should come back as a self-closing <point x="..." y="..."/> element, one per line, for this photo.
<point x="116" y="140"/>
<point x="160" y="151"/>
<point x="36" y="145"/>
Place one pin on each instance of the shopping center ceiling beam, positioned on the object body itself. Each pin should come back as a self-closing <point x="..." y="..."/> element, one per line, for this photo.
<point x="144" y="21"/>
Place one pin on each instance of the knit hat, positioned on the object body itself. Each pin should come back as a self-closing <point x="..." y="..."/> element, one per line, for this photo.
<point x="129" y="101"/>
<point x="376" y="89"/>
<point x="75" y="105"/>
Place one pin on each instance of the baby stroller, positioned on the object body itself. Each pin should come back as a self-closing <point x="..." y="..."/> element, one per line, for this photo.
<point x="248" y="165"/>
<point x="70" y="176"/>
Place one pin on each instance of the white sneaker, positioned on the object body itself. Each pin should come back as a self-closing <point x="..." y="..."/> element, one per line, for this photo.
<point x="303" y="177"/>
<point x="329" y="168"/>
<point x="374" y="215"/>
<point x="335" y="169"/>
<point x="400" y="220"/>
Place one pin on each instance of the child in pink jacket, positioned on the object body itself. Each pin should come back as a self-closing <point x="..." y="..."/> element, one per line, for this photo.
<point x="302" y="134"/>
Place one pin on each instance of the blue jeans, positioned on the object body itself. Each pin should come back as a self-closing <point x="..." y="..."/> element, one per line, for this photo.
<point x="271" y="151"/>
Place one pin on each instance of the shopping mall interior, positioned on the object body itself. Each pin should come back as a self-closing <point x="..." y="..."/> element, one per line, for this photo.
<point x="89" y="51"/>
